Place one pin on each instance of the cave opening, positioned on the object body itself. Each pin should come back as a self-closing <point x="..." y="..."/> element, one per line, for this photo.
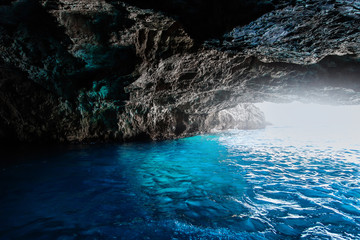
<point x="310" y="114"/>
<point x="142" y="119"/>
<point x="328" y="125"/>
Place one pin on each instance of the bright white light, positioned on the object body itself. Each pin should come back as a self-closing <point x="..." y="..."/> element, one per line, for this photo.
<point x="301" y="114"/>
<point x="315" y="122"/>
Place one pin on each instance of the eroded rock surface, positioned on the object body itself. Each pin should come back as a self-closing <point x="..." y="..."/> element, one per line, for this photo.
<point x="303" y="34"/>
<point x="80" y="71"/>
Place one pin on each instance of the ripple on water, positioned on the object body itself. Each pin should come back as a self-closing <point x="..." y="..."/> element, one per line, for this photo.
<point x="238" y="185"/>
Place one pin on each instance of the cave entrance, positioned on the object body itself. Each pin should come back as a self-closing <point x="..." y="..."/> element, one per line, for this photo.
<point x="315" y="122"/>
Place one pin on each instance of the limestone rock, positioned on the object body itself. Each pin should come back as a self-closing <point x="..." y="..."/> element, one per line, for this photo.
<point x="106" y="70"/>
<point x="243" y="116"/>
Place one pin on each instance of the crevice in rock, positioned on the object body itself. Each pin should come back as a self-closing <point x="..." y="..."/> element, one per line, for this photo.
<point x="82" y="71"/>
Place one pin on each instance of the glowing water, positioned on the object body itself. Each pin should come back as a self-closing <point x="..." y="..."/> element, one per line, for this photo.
<point x="275" y="183"/>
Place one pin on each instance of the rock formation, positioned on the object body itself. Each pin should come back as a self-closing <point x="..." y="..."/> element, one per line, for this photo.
<point x="96" y="70"/>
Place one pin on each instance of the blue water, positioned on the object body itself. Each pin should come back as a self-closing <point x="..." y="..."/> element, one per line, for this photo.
<point x="259" y="184"/>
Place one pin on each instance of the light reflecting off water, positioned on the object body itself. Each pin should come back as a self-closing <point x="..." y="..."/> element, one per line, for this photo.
<point x="282" y="182"/>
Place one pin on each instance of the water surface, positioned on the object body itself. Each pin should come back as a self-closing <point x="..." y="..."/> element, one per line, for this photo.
<point x="275" y="183"/>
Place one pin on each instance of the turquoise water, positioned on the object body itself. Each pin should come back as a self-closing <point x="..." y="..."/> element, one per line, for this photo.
<point x="275" y="183"/>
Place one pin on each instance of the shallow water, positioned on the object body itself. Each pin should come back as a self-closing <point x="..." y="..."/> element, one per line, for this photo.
<point x="276" y="183"/>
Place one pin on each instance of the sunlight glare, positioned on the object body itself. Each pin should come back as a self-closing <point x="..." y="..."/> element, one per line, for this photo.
<point x="315" y="122"/>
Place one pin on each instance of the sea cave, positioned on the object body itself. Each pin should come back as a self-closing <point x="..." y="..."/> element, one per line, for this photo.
<point x="180" y="119"/>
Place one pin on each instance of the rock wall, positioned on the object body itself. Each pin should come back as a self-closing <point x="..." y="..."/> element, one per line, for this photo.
<point x="96" y="70"/>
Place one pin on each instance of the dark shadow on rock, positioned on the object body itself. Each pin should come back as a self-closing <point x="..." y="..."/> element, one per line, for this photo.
<point x="205" y="19"/>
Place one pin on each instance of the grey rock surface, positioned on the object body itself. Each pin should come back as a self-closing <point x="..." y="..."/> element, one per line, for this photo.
<point x="85" y="71"/>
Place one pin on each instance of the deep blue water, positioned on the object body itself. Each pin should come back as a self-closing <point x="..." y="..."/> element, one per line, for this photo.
<point x="261" y="184"/>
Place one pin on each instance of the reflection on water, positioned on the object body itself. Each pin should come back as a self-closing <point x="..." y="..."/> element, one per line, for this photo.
<point x="274" y="183"/>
